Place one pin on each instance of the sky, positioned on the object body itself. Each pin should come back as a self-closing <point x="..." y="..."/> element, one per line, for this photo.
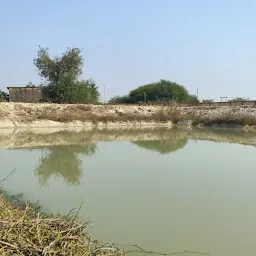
<point x="205" y="45"/>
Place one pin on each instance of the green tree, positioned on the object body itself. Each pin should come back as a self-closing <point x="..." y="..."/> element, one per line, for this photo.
<point x="4" y="96"/>
<point x="164" y="90"/>
<point x="61" y="77"/>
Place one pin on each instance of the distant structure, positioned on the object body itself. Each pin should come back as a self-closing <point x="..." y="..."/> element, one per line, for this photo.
<point x="25" y="94"/>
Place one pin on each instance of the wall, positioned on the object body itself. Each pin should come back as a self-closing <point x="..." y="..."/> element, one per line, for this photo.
<point x="25" y="94"/>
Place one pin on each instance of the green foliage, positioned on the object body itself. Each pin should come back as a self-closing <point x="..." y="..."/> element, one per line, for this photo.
<point x="4" y="96"/>
<point x="192" y="99"/>
<point x="208" y="101"/>
<point x="238" y="99"/>
<point x="54" y="69"/>
<point x="120" y="99"/>
<point x="61" y="75"/>
<point x="161" y="91"/>
<point x="30" y="85"/>
<point x="69" y="91"/>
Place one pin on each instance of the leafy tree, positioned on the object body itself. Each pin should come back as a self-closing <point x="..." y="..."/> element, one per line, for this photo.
<point x="69" y="91"/>
<point x="61" y="77"/>
<point x="4" y="96"/>
<point x="54" y="69"/>
<point x="164" y="90"/>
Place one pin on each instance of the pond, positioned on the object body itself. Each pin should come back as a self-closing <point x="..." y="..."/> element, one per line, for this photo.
<point x="164" y="190"/>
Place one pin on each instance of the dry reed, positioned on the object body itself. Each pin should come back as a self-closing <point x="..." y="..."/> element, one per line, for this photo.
<point x="24" y="233"/>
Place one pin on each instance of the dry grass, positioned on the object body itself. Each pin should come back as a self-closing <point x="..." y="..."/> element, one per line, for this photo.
<point x="3" y="113"/>
<point x="228" y="119"/>
<point x="79" y="108"/>
<point x="24" y="233"/>
<point x="208" y="116"/>
<point x="74" y="113"/>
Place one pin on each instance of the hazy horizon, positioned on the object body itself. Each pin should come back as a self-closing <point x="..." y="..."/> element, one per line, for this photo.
<point x="204" y="45"/>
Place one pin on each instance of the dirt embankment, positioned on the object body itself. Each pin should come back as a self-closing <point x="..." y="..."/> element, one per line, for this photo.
<point x="29" y="115"/>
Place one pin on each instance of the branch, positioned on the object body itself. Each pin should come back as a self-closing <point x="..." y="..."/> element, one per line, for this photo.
<point x="4" y="179"/>
<point x="141" y="250"/>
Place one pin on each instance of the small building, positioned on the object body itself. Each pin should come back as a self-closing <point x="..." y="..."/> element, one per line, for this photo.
<point x="25" y="94"/>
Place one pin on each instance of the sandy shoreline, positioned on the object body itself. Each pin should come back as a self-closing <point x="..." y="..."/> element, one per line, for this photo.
<point x="89" y="117"/>
<point x="74" y="125"/>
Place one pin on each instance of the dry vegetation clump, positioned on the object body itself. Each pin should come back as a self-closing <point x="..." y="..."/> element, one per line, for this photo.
<point x="227" y="118"/>
<point x="25" y="110"/>
<point x="68" y="114"/>
<point x="172" y="114"/>
<point x="22" y="232"/>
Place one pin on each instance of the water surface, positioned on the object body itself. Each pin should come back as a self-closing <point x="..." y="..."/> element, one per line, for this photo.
<point x="163" y="190"/>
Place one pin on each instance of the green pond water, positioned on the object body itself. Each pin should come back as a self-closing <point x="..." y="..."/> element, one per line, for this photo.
<point x="166" y="191"/>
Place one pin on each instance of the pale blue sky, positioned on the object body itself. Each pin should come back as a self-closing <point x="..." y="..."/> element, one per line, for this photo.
<point x="204" y="44"/>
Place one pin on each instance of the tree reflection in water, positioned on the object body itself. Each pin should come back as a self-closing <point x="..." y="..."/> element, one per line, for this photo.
<point x="63" y="161"/>
<point x="165" y="146"/>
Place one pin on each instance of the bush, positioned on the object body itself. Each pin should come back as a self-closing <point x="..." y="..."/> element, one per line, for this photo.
<point x="162" y="90"/>
<point x="192" y="99"/>
<point x="208" y="101"/>
<point x="120" y="100"/>
<point x="4" y="96"/>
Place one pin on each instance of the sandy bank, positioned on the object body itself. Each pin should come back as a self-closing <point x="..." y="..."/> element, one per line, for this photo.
<point x="89" y="117"/>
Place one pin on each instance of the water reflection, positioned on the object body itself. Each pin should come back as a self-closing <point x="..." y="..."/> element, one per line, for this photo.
<point x="173" y="142"/>
<point x="163" y="147"/>
<point x="31" y="140"/>
<point x="63" y="161"/>
<point x="201" y="204"/>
